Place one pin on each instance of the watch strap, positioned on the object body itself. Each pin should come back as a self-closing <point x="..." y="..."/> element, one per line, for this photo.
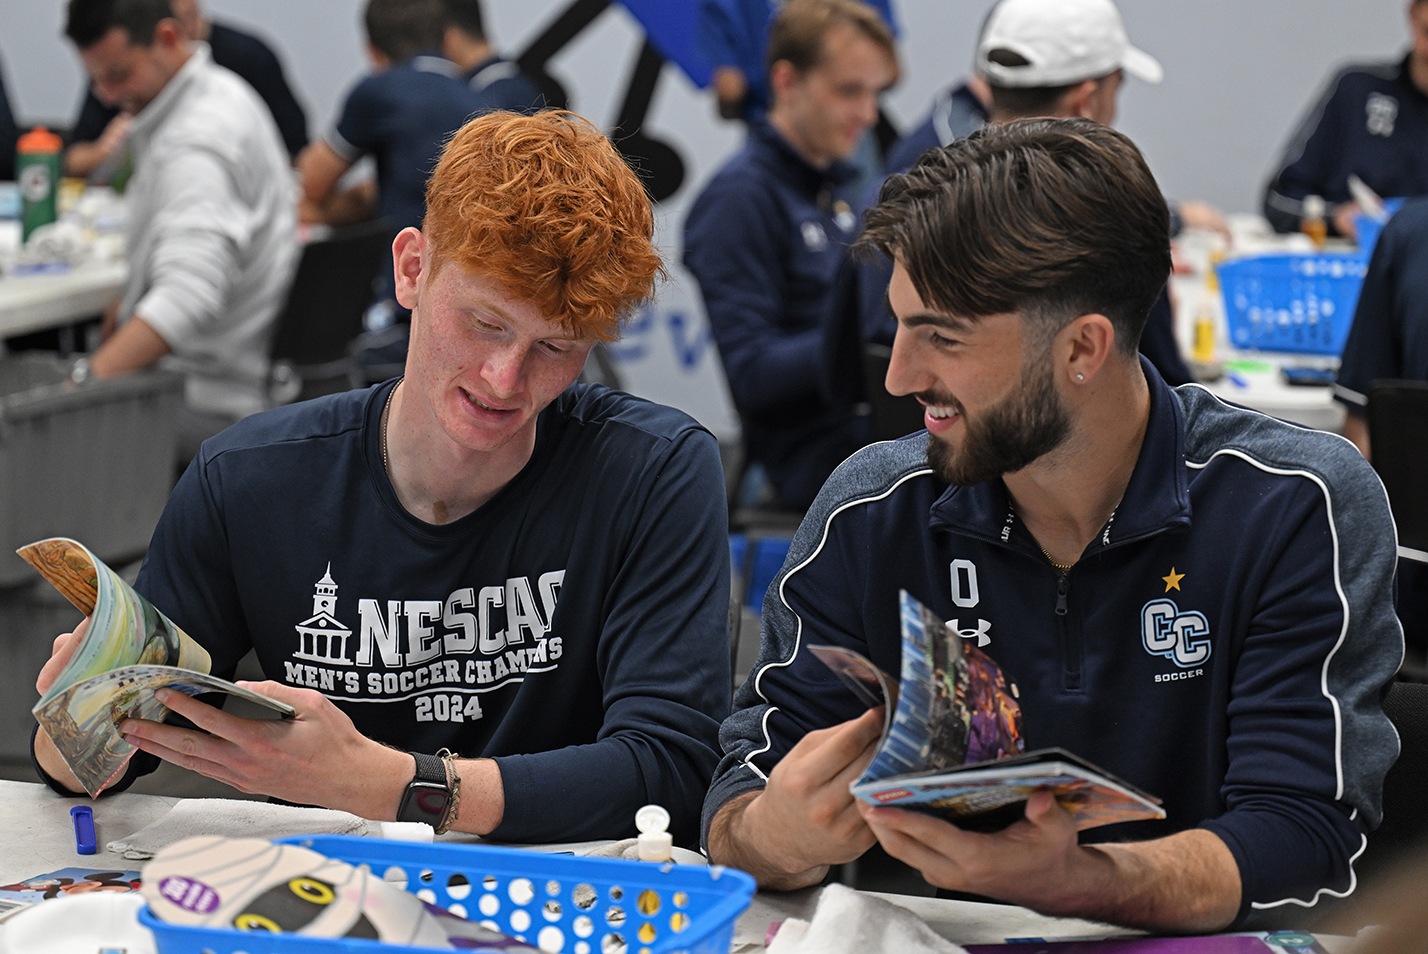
<point x="429" y="768"/>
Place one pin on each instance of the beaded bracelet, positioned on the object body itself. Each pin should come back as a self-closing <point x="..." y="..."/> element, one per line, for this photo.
<point x="453" y="784"/>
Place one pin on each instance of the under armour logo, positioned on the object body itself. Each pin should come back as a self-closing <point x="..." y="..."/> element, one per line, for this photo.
<point x="1381" y="111"/>
<point x="979" y="634"/>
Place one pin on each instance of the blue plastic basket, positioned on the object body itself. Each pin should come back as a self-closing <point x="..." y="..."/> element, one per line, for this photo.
<point x="557" y="902"/>
<point x="1303" y="304"/>
<point x="1369" y="229"/>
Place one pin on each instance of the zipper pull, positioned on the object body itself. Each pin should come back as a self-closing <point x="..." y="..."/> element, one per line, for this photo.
<point x="1062" y="585"/>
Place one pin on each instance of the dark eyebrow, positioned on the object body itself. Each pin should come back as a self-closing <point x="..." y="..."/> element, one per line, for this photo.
<point x="949" y="322"/>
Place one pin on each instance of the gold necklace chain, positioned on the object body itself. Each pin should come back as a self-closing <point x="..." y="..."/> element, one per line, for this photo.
<point x="1063" y="567"/>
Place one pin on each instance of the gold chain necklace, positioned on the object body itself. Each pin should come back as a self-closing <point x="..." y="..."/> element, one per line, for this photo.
<point x="1063" y="567"/>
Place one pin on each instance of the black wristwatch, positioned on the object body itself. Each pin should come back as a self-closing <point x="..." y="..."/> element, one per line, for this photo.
<point x="426" y="797"/>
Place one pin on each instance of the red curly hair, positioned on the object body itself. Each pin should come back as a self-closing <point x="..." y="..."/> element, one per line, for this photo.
<point x="544" y="206"/>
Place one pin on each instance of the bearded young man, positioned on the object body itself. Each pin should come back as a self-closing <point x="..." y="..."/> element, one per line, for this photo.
<point x="1194" y="596"/>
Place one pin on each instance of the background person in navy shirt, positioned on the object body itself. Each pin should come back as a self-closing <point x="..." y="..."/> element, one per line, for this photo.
<point x="498" y="82"/>
<point x="765" y="237"/>
<point x="1372" y="122"/>
<point x="401" y="114"/>
<point x="99" y="130"/>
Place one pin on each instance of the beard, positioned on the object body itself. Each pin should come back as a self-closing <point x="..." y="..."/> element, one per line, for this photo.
<point x="1006" y="437"/>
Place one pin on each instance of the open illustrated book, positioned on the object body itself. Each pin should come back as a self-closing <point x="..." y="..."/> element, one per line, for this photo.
<point x="129" y="650"/>
<point x="952" y="741"/>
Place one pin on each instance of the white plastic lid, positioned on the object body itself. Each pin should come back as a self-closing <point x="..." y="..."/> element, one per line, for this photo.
<point x="652" y="818"/>
<point x="655" y="842"/>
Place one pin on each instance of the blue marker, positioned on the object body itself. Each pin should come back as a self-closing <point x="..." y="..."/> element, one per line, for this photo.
<point x="1237" y="381"/>
<point x="83" y="829"/>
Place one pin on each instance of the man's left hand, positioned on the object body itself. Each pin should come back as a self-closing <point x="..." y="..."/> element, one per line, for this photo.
<point x="1032" y="862"/>
<point x="309" y="759"/>
<point x="1184" y="883"/>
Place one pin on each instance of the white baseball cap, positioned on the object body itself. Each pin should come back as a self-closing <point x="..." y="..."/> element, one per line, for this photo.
<point x="1063" y="42"/>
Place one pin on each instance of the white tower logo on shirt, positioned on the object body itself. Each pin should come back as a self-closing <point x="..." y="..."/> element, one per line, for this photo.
<point x="1381" y="111"/>
<point x="322" y="638"/>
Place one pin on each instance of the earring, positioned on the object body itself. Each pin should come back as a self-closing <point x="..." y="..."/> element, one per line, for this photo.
<point x="1080" y="376"/>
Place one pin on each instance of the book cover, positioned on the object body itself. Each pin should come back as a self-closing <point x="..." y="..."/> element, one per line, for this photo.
<point x="129" y="650"/>
<point x="953" y="743"/>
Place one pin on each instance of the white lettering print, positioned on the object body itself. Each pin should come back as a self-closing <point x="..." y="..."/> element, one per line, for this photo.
<point x="964" y="584"/>
<point x="1381" y="112"/>
<point x="1180" y="636"/>
<point x="414" y="641"/>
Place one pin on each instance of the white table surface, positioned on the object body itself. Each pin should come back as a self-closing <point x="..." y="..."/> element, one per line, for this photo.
<point x="37" y="836"/>
<point x="37" y="833"/>
<point x="35" y="302"/>
<point x="1264" y="389"/>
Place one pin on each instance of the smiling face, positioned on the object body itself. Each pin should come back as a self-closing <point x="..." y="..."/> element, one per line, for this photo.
<point x="824" y="111"/>
<point x="989" y="397"/>
<point x="485" y="361"/>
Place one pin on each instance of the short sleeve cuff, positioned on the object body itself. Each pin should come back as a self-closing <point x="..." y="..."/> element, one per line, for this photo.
<point x="342" y="147"/>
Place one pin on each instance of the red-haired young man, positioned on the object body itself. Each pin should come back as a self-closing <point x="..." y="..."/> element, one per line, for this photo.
<point x="481" y="556"/>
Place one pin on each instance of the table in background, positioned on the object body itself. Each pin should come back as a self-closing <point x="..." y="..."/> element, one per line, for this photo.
<point x="36" y="302"/>
<point x="1253" y="379"/>
<point x="1257" y="381"/>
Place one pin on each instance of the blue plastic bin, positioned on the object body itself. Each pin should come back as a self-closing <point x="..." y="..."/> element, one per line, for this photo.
<point x="756" y="560"/>
<point x="557" y="902"/>
<point x="1302" y="304"/>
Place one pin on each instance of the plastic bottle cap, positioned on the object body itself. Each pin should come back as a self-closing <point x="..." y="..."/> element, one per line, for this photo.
<point x="652" y="818"/>
<point x="655" y="842"/>
<point x="39" y="139"/>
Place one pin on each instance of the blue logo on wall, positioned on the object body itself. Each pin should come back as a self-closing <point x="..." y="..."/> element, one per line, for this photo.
<point x="689" y="345"/>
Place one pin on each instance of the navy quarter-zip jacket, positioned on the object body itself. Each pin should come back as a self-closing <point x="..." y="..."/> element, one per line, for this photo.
<point x="1224" y="642"/>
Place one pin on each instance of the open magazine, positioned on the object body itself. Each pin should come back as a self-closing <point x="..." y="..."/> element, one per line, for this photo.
<point x="952" y="741"/>
<point x="129" y="650"/>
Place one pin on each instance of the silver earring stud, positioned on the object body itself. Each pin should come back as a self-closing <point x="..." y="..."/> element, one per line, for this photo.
<point x="1080" y="377"/>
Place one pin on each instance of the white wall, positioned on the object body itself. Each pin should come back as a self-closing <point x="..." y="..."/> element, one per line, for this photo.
<point x="1239" y="73"/>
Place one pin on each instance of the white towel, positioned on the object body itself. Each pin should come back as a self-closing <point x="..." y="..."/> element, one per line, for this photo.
<point x="236" y="818"/>
<point x="850" y="922"/>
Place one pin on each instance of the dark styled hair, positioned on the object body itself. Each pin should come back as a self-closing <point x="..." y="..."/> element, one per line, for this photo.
<point x="1051" y="219"/>
<point x="400" y="29"/>
<point x="798" y="31"/>
<point x="465" y="15"/>
<point x="88" y="20"/>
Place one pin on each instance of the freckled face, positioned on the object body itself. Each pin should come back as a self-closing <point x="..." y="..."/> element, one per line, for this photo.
<point x="488" y="361"/>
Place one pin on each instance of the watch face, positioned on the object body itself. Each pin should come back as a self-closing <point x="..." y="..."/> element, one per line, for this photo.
<point x="423" y="802"/>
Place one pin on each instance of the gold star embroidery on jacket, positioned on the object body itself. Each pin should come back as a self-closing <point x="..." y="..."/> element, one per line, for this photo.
<point x="1172" y="582"/>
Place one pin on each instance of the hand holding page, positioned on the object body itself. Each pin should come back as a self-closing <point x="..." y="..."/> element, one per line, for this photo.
<point x="952" y="743"/>
<point x="129" y="650"/>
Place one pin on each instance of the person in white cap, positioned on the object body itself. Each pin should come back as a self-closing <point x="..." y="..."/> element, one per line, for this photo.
<point x="1037" y="59"/>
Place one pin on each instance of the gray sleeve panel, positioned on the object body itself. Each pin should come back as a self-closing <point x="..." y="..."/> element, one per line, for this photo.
<point x="869" y="475"/>
<point x="1369" y="649"/>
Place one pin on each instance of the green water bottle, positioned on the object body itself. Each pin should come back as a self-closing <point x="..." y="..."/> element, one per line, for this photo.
<point x="37" y="170"/>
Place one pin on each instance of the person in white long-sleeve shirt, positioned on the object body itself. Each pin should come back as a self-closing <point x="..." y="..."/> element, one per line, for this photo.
<point x="212" y="240"/>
